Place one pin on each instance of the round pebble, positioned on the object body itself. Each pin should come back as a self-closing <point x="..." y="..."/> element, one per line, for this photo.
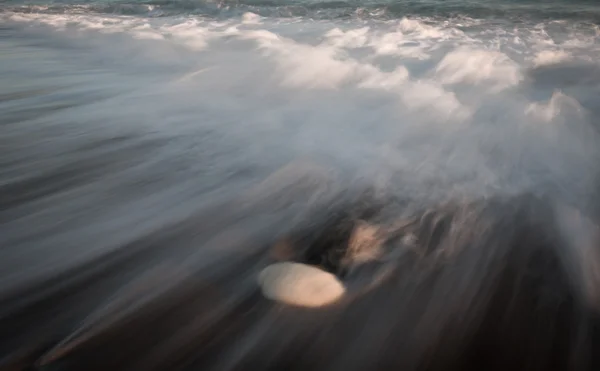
<point x="300" y="285"/>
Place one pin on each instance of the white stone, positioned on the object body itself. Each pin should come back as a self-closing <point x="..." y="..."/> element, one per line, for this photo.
<point x="300" y="285"/>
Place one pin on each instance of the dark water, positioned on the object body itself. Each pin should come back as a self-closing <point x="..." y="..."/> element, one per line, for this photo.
<point x="152" y="154"/>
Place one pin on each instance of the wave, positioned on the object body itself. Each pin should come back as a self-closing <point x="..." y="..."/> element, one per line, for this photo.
<point x="582" y="11"/>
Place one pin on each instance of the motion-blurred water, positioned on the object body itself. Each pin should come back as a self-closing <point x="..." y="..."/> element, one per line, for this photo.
<point x="122" y="122"/>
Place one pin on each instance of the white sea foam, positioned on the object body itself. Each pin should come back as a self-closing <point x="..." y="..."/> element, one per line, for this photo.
<point x="559" y="104"/>
<point x="446" y="102"/>
<point x="478" y="67"/>
<point x="550" y="57"/>
<point x="251" y="18"/>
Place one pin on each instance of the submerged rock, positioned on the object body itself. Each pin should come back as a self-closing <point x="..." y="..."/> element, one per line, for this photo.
<point x="365" y="244"/>
<point x="300" y="284"/>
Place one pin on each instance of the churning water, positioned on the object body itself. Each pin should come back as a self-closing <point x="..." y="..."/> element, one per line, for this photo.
<point x="152" y="151"/>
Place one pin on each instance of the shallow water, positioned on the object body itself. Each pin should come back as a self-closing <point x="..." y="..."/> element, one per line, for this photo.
<point x="130" y="124"/>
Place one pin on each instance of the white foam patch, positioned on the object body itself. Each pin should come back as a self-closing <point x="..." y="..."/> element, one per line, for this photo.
<point x="251" y="18"/>
<point x="407" y="38"/>
<point x="300" y="285"/>
<point x="327" y="66"/>
<point x="302" y="65"/>
<point x="426" y="95"/>
<point x="397" y="44"/>
<point x="386" y="81"/>
<point x="190" y="34"/>
<point x="306" y="66"/>
<point x="355" y="38"/>
<point x="550" y="57"/>
<point x="146" y="32"/>
<point x="477" y="67"/>
<point x="83" y="22"/>
<point x="420" y="30"/>
<point x="393" y="94"/>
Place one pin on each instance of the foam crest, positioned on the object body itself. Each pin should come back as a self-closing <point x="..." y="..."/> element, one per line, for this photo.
<point x="251" y="18"/>
<point x="477" y="67"/>
<point x="550" y="57"/>
<point x="354" y="38"/>
<point x="420" y="30"/>
<point x="393" y="94"/>
<point x="190" y="34"/>
<point x="301" y="65"/>
<point x="328" y="67"/>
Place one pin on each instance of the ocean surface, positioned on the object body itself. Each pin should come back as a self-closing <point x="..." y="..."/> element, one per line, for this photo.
<point x="134" y="125"/>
